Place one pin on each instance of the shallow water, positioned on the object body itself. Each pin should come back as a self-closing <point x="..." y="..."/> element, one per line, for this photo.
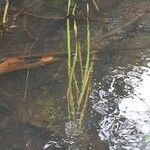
<point x="33" y="109"/>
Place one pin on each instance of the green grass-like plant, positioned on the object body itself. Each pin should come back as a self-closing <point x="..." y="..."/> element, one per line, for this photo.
<point x="79" y="71"/>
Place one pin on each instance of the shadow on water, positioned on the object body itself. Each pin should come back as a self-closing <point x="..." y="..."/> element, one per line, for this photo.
<point x="33" y="109"/>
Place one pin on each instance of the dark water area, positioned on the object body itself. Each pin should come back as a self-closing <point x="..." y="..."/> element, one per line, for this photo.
<point x="33" y="102"/>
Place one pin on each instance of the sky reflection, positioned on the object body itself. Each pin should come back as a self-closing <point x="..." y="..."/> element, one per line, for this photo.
<point x="136" y="106"/>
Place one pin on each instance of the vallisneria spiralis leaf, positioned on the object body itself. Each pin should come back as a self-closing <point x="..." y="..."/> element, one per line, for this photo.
<point x="79" y="69"/>
<point x="69" y="5"/>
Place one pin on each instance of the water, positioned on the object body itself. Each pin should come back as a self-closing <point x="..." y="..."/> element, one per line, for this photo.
<point x="33" y="112"/>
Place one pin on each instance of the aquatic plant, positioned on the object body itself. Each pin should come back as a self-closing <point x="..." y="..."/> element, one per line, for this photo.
<point x="79" y="71"/>
<point x="5" y="12"/>
<point x="50" y="111"/>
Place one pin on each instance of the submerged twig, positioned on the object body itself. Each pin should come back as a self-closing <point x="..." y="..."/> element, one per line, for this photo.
<point x="125" y="25"/>
<point x="13" y="64"/>
<point x="28" y="73"/>
<point x="32" y="61"/>
<point x="36" y="56"/>
<point x="26" y="28"/>
<point x="42" y="17"/>
<point x="57" y="17"/>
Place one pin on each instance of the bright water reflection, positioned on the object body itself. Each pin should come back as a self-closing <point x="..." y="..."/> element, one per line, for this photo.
<point x="137" y="105"/>
<point x="124" y="107"/>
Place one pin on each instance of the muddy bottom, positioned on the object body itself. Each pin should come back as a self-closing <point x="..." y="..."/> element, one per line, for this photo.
<point x="33" y="102"/>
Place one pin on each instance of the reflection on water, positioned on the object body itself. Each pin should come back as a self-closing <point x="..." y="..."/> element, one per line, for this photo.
<point x="140" y="97"/>
<point x="120" y="96"/>
<point x="122" y="100"/>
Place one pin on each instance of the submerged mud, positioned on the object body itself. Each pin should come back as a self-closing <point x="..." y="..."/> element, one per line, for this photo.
<point x="33" y="106"/>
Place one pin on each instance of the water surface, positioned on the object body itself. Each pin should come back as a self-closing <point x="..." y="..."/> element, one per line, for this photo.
<point x="33" y="109"/>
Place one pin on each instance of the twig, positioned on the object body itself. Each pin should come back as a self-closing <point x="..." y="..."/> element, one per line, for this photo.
<point x="43" y="17"/>
<point x="115" y="31"/>
<point x="59" y="55"/>
<point x="26" y="28"/>
<point x="28" y="72"/>
<point x="14" y="64"/>
<point x="36" y="56"/>
<point x="26" y="62"/>
<point x="57" y="17"/>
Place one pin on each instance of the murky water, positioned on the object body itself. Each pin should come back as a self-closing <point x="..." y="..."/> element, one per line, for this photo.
<point x="33" y="105"/>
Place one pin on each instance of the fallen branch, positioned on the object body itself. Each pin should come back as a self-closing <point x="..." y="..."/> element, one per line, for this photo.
<point x="32" y="57"/>
<point x="26" y="62"/>
<point x="14" y="63"/>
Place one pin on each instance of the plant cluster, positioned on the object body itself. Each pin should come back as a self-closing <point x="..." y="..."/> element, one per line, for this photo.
<point x="79" y="70"/>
